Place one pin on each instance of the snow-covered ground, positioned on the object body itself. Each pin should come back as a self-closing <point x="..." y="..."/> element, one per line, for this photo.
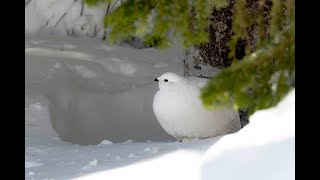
<point x="98" y="99"/>
<point x="87" y="92"/>
<point x="94" y="91"/>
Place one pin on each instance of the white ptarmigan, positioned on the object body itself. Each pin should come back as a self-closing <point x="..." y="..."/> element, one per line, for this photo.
<point x="179" y="110"/>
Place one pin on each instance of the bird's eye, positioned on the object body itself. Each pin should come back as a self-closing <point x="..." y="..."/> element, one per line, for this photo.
<point x="166" y="80"/>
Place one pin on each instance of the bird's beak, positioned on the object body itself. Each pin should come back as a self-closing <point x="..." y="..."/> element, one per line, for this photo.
<point x="156" y="79"/>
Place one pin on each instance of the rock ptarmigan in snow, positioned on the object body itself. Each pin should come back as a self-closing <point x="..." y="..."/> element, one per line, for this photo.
<point x="179" y="110"/>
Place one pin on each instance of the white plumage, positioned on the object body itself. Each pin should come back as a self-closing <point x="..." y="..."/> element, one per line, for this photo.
<point x="179" y="110"/>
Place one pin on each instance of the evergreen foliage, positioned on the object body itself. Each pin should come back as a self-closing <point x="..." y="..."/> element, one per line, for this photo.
<point x="263" y="77"/>
<point x="258" y="81"/>
<point x="156" y="20"/>
<point x="95" y="2"/>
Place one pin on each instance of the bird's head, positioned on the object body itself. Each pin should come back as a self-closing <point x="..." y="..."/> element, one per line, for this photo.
<point x="167" y="79"/>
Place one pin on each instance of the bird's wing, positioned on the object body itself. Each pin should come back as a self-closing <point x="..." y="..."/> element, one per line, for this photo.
<point x="197" y="81"/>
<point x="234" y="125"/>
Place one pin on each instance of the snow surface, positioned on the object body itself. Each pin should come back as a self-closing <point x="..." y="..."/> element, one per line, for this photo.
<point x="264" y="149"/>
<point x="71" y="18"/>
<point x="93" y="91"/>
<point x="87" y="92"/>
<point x="64" y="17"/>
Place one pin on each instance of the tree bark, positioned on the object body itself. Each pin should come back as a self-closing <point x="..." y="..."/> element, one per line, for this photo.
<point x="207" y="59"/>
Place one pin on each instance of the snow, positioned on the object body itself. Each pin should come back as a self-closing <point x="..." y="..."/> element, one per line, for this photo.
<point x="37" y="119"/>
<point x="265" y="145"/>
<point x="128" y="141"/>
<point x="31" y="173"/>
<point x="90" y="94"/>
<point x="71" y="18"/>
<point x="264" y="149"/>
<point x="63" y="102"/>
<point x="132" y="155"/>
<point x="154" y="150"/>
<point x="117" y="158"/>
<point x="64" y="17"/>
<point x="91" y="164"/>
<point x="32" y="164"/>
<point x="84" y="71"/>
<point x="105" y="142"/>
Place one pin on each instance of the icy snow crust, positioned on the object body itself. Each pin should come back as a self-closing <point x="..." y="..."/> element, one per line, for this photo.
<point x="70" y="81"/>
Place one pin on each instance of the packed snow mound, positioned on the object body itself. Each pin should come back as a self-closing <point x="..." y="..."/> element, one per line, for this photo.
<point x="116" y="68"/>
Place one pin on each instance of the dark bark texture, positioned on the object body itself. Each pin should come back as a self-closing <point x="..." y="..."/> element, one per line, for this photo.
<point x="204" y="60"/>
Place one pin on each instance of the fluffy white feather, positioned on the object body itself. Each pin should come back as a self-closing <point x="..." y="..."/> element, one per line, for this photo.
<point x="179" y="110"/>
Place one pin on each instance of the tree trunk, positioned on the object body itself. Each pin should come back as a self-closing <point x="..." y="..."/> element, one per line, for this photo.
<point x="207" y="59"/>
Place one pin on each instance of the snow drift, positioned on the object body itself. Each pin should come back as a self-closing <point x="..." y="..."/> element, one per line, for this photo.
<point x="95" y="91"/>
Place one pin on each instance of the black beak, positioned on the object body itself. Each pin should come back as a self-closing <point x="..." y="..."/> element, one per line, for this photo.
<point x="156" y="80"/>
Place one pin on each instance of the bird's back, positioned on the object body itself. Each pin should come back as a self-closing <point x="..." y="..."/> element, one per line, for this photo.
<point x="197" y="81"/>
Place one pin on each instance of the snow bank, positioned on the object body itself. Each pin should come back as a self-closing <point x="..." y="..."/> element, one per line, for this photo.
<point x="37" y="121"/>
<point x="96" y="91"/>
<point x="64" y="17"/>
<point x="71" y="18"/>
<point x="264" y="149"/>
